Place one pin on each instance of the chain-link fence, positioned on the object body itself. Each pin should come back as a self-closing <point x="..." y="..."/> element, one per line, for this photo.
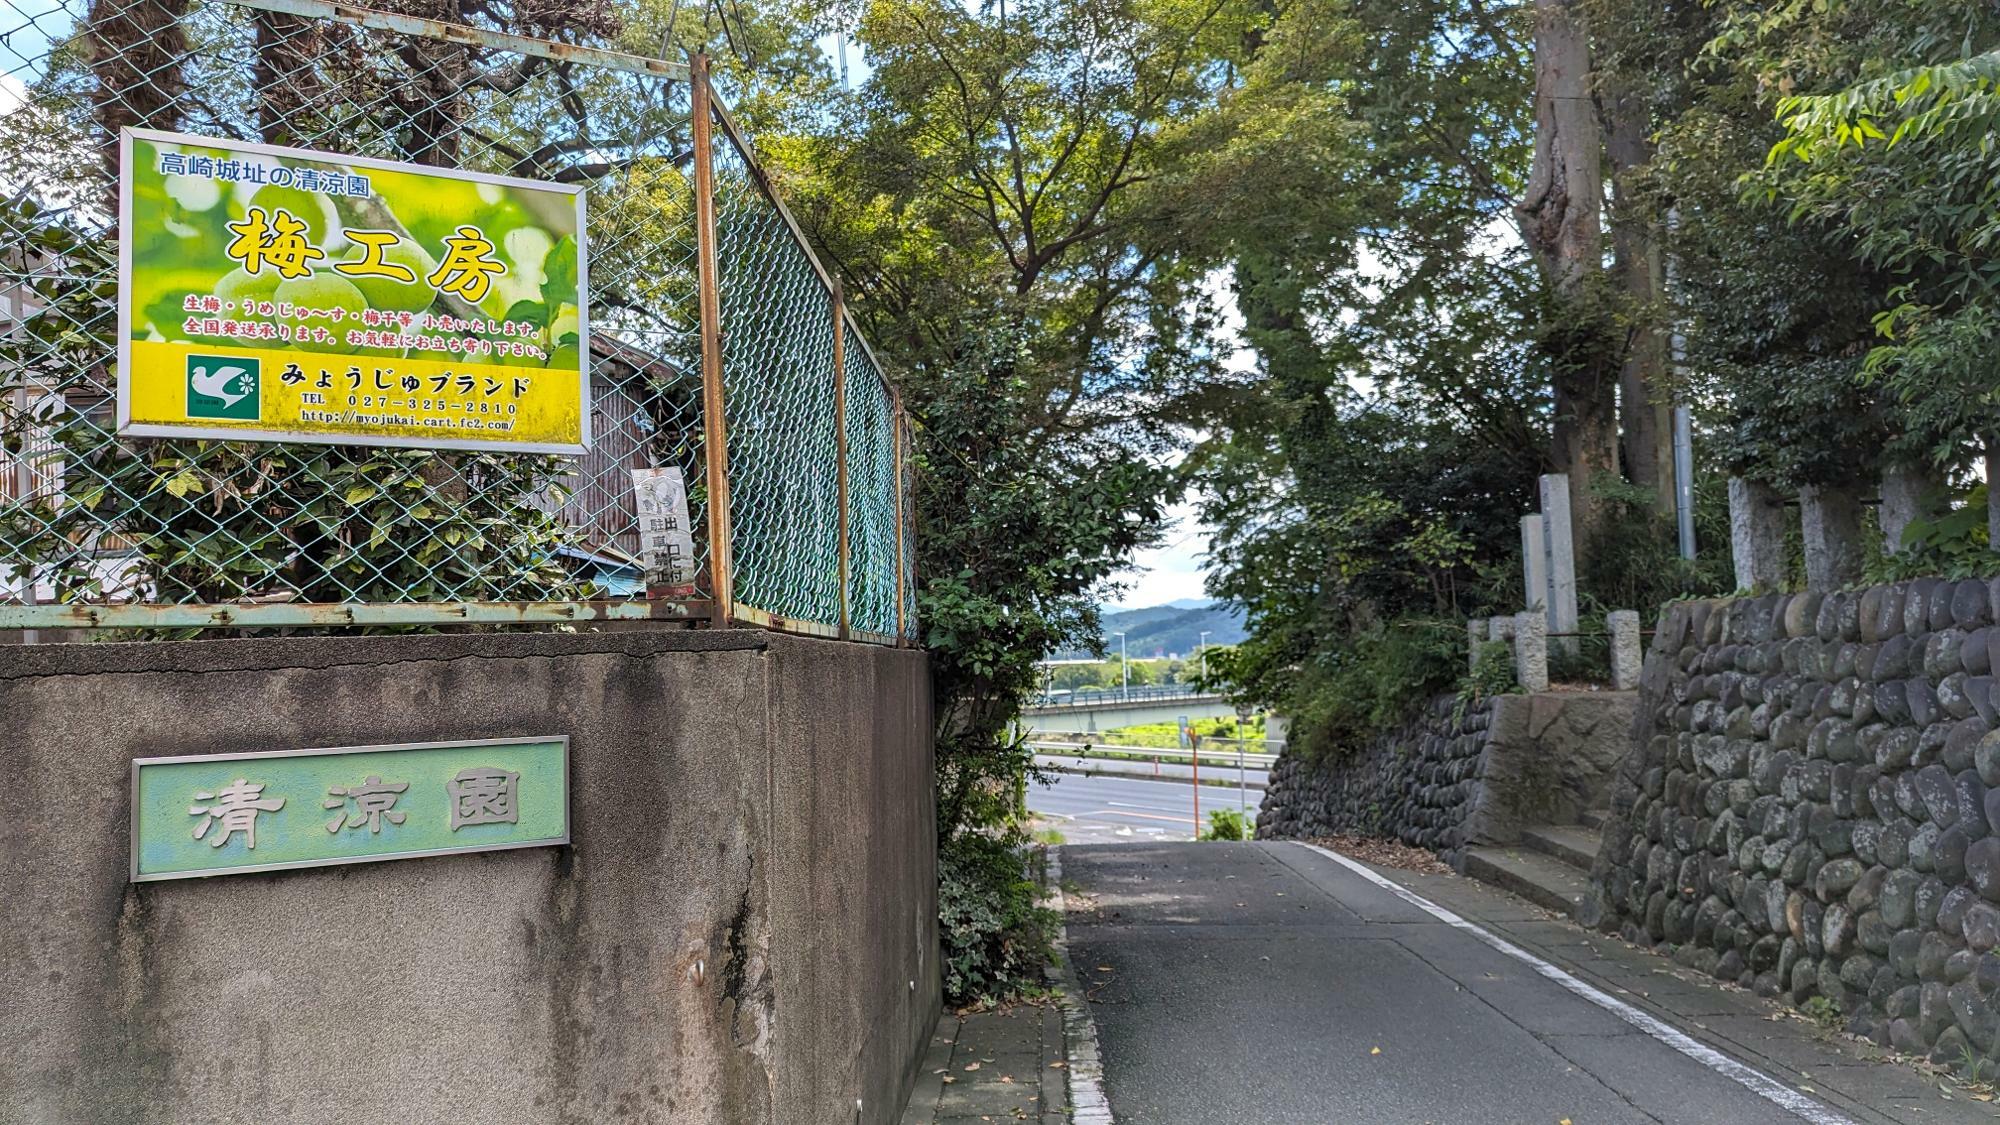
<point x="742" y="388"/>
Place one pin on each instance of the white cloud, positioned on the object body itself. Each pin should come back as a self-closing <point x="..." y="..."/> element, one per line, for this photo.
<point x="1171" y="571"/>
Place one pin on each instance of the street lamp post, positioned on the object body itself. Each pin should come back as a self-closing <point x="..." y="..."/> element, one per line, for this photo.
<point x="1124" y="669"/>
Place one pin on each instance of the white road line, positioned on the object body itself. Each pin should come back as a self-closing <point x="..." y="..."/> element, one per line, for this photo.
<point x="1756" y="1081"/>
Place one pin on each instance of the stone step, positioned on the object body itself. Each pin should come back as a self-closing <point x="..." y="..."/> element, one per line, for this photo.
<point x="1572" y="843"/>
<point x="1548" y="883"/>
<point x="1593" y="819"/>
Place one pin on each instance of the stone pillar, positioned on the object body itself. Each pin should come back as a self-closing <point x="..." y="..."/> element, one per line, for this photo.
<point x="1562" y="557"/>
<point x="1475" y="635"/>
<point x="1907" y="492"/>
<point x="1756" y="534"/>
<point x="1531" y="651"/>
<point x="1831" y="520"/>
<point x="1534" y="563"/>
<point x="1993" y="497"/>
<point x="1624" y="625"/>
<point x="1500" y="629"/>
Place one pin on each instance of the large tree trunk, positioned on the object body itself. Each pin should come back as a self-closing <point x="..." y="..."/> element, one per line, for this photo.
<point x="135" y="49"/>
<point x="1561" y="223"/>
<point x="287" y="81"/>
<point x="1644" y="411"/>
<point x="1270" y="297"/>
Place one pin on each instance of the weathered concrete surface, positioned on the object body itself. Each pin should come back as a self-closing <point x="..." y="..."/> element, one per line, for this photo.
<point x="742" y="931"/>
<point x="1549" y="757"/>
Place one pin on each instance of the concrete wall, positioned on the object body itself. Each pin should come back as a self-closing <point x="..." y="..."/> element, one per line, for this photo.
<point x="1455" y="776"/>
<point x="1809" y="806"/>
<point x="743" y="930"/>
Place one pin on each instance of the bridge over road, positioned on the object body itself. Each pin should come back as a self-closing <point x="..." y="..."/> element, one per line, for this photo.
<point x="1273" y="983"/>
<point x="1090" y="710"/>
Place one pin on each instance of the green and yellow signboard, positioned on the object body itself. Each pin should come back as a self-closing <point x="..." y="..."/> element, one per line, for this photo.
<point x="227" y="814"/>
<point x="277" y="294"/>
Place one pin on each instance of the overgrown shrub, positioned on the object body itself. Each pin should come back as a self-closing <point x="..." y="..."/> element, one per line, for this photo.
<point x="1372" y="683"/>
<point x="1492" y="674"/>
<point x="995" y="932"/>
<point x="1225" y="824"/>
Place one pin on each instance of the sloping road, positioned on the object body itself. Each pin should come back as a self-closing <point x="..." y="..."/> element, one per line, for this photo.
<point x="1105" y="810"/>
<point x="1272" y="983"/>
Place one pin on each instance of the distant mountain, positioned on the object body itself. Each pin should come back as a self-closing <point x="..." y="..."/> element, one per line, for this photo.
<point x="1173" y="629"/>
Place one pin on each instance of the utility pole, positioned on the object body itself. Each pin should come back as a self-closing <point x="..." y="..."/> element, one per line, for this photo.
<point x="1124" y="669"/>
<point x="1202" y="648"/>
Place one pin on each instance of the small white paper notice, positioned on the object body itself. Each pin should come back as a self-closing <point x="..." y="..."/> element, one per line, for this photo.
<point x="665" y="540"/>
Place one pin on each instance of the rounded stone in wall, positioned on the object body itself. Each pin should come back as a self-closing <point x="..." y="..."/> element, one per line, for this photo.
<point x="1982" y="867"/>
<point x="1924" y="846"/>
<point x="1982" y="926"/>
<point x="1938" y="605"/>
<point x="1921" y="701"/>
<point x="1948" y="857"/>
<point x="1975" y="656"/>
<point x="1893" y="847"/>
<point x="1971" y="794"/>
<point x="1952" y="910"/>
<point x="1898" y="904"/>
<point x="1971" y="603"/>
<point x="1894" y="659"/>
<point x="1837" y="877"/>
<point x="1930" y="893"/>
<point x="1986" y="758"/>
<point x="1867" y="890"/>
<point x="1909" y="802"/>
<point x="1962" y="741"/>
<point x="1873" y="621"/>
<point x="1941" y="653"/>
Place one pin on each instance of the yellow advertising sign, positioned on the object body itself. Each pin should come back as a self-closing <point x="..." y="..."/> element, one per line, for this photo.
<point x="275" y="294"/>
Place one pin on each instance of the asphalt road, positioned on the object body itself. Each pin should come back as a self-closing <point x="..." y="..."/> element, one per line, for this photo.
<point x="1267" y="984"/>
<point x="1099" y="810"/>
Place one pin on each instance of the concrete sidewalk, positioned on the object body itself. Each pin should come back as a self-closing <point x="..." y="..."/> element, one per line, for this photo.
<point x="1003" y="1065"/>
<point x="1270" y="983"/>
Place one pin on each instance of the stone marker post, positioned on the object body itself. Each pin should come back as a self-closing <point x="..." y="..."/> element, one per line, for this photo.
<point x="1906" y="495"/>
<point x="1534" y="563"/>
<point x="1500" y="629"/>
<point x="1624" y="625"/>
<point x="1831" y="521"/>
<point x="1756" y="534"/>
<point x="1475" y="635"/>
<point x="1561" y="614"/>
<point x="1531" y="651"/>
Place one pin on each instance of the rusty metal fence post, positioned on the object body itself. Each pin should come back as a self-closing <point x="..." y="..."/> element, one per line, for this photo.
<point x="840" y="450"/>
<point x="715" y="433"/>
<point x="899" y="426"/>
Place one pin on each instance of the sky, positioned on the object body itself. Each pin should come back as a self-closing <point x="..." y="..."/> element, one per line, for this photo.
<point x="1171" y="571"/>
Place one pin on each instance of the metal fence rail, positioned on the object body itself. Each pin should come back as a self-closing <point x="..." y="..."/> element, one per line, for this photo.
<point x="718" y="346"/>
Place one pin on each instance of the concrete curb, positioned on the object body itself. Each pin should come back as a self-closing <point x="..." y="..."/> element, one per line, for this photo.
<point x="1088" y="1105"/>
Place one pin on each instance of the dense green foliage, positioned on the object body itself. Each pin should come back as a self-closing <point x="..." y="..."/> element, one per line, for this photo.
<point x="1226" y="824"/>
<point x="994" y="930"/>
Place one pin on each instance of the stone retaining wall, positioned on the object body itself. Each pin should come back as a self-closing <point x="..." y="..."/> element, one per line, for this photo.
<point x="1805" y="808"/>
<point x="1458" y="775"/>
<point x="1414" y="784"/>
